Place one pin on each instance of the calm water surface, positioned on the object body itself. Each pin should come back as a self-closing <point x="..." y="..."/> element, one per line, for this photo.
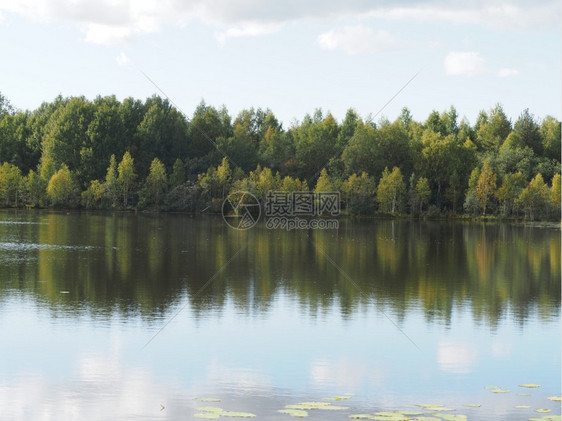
<point x="122" y="316"/>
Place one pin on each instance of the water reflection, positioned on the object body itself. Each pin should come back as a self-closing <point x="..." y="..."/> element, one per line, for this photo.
<point x="145" y="264"/>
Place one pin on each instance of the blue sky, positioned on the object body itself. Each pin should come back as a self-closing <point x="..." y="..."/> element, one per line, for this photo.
<point x="291" y="56"/>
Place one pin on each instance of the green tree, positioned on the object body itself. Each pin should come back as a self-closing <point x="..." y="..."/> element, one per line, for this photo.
<point x="535" y="198"/>
<point x="178" y="173"/>
<point x="528" y="130"/>
<point x="127" y="176"/>
<point x="156" y="183"/>
<point x="10" y="180"/>
<point x="555" y="193"/>
<point x="509" y="191"/>
<point x="390" y="189"/>
<point x="5" y="106"/>
<point x="111" y="186"/>
<point x="324" y="183"/>
<point x="550" y="133"/>
<point x="161" y="134"/>
<point x="207" y="125"/>
<point x="66" y="137"/>
<point x="62" y="188"/>
<point x="315" y="143"/>
<point x="93" y="195"/>
<point x="494" y="129"/>
<point x="224" y="176"/>
<point x="486" y="187"/>
<point x="33" y="188"/>
<point x="471" y="204"/>
<point x="423" y="192"/>
<point x="358" y="193"/>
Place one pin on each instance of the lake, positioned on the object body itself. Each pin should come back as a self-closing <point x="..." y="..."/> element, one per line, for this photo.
<point x="151" y="316"/>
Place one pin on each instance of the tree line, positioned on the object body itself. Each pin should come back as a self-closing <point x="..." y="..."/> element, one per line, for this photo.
<point x="108" y="154"/>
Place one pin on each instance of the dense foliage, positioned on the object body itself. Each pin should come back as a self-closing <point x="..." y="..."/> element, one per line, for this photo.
<point x="107" y="154"/>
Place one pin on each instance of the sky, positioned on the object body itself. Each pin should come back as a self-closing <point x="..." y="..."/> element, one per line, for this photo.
<point x="292" y="56"/>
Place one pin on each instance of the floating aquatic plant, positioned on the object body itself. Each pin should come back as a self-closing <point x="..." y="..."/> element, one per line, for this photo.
<point x="542" y="410"/>
<point x="530" y="385"/>
<point x="337" y="398"/>
<point x="522" y="406"/>
<point x="294" y="412"/>
<point x="452" y="417"/>
<point x="473" y="405"/>
<point x="426" y="418"/>
<point x="498" y="390"/>
<point x="439" y="408"/>
<point x="306" y="406"/>
<point x="235" y="414"/>
<point x="207" y="415"/>
<point x="394" y="416"/>
<point x="213" y="412"/>
<point x="555" y="398"/>
<point x="334" y="407"/>
<point x="209" y="409"/>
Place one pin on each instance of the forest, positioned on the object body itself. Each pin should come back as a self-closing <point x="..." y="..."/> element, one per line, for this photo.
<point x="75" y="153"/>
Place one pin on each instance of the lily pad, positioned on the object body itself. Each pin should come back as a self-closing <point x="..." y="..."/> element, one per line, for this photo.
<point x="522" y="406"/>
<point x="439" y="408"/>
<point x="473" y="405"/>
<point x="334" y="407"/>
<point x="555" y="398"/>
<point x="523" y="394"/>
<point x="394" y="417"/>
<point x="337" y="398"/>
<point x="453" y="417"/>
<point x="207" y="415"/>
<point x="235" y="414"/>
<point x="546" y="418"/>
<point x="429" y="405"/>
<point x="411" y="412"/>
<point x="308" y="405"/>
<point x="294" y="412"/>
<point x="544" y="410"/>
<point x="530" y="385"/>
<point x="492" y="387"/>
<point x="499" y="391"/>
<point x="362" y="416"/>
<point x="209" y="409"/>
<point x="388" y="415"/>
<point x="207" y="399"/>
<point x="428" y="419"/>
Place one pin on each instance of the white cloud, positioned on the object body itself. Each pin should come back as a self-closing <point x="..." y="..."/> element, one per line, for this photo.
<point x="468" y="63"/>
<point x="505" y="15"/>
<point x="247" y="29"/>
<point x="507" y="72"/>
<point x="458" y="358"/>
<point x="112" y="21"/>
<point x="501" y="350"/>
<point x="118" y="392"/>
<point x="123" y="60"/>
<point x="347" y="375"/>
<point x="358" y="39"/>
